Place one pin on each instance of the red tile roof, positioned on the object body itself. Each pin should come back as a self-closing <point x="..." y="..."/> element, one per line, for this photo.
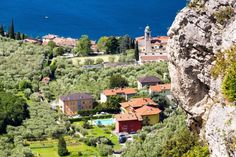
<point x="138" y="102"/>
<point x="110" y="92"/>
<point x="160" y="88"/>
<point x="128" y="117"/>
<point x="147" y="110"/>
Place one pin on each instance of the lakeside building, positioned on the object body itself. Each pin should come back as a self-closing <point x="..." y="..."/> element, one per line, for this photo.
<point x="126" y="93"/>
<point x="70" y="104"/>
<point x="59" y="41"/>
<point x="65" y="42"/>
<point x="33" y="41"/>
<point x="148" y="81"/>
<point x="152" y="49"/>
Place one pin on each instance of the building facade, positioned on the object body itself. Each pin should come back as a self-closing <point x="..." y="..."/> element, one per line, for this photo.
<point x="128" y="123"/>
<point x="72" y="103"/>
<point x="126" y="93"/>
<point x="152" y="49"/>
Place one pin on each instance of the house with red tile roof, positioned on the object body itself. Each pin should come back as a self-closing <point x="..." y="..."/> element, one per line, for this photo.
<point x="150" y="115"/>
<point x="128" y="122"/>
<point x="134" y="120"/>
<point x="126" y="93"/>
<point x="136" y="103"/>
<point x="160" y="88"/>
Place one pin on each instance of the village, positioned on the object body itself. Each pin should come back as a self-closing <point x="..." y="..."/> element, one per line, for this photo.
<point x="150" y="49"/>
<point x="130" y="111"/>
<point x="132" y="93"/>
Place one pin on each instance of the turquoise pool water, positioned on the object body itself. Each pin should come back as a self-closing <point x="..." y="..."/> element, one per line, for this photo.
<point x="104" y="121"/>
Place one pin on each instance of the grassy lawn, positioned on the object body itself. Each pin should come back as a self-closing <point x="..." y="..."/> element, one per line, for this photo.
<point x="104" y="57"/>
<point x="102" y="131"/>
<point x="48" y="148"/>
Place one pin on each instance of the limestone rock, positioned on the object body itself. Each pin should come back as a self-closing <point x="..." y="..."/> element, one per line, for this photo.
<point x="196" y="38"/>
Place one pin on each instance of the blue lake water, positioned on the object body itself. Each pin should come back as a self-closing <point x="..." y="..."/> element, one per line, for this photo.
<point x="73" y="18"/>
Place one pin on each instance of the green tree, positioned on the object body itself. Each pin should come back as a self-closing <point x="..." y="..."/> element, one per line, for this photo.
<point x="112" y="45"/>
<point x="24" y="84"/>
<point x="124" y="43"/>
<point x="136" y="52"/>
<point x="83" y="47"/>
<point x="62" y="149"/>
<point x="18" y="36"/>
<point x="13" y="110"/>
<point x="118" y="81"/>
<point x="1" y="30"/>
<point x="52" y="44"/>
<point x="101" y="44"/>
<point x="114" y="102"/>
<point x="11" y="32"/>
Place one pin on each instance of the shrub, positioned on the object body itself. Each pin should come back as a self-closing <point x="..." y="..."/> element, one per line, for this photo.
<point x="225" y="66"/>
<point x="105" y="150"/>
<point x="62" y="150"/>
<point x="195" y="4"/>
<point x="223" y="15"/>
<point x="88" y="62"/>
<point x="99" y="61"/>
<point x="198" y="151"/>
<point x="80" y="153"/>
<point x="229" y="84"/>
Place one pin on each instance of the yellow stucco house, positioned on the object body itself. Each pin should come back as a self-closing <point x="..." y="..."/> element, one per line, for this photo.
<point x="149" y="114"/>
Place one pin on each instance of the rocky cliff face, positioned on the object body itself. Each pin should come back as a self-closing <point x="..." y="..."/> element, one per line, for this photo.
<point x="197" y="35"/>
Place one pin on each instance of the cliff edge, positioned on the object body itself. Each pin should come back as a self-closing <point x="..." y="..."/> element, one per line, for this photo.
<point x="200" y="31"/>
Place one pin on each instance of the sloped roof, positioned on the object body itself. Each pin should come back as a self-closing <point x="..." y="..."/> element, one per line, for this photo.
<point x="160" y="88"/>
<point x="149" y="79"/>
<point x="110" y="92"/>
<point x="76" y="96"/>
<point x="147" y="110"/>
<point x="138" y="102"/>
<point x="128" y="117"/>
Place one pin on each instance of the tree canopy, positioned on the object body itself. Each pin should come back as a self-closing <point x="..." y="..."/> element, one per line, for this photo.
<point x="116" y="81"/>
<point x="13" y="110"/>
<point x="83" y="47"/>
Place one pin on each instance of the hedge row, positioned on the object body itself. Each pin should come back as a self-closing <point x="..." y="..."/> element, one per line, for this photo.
<point x="90" y="118"/>
<point x="94" y="111"/>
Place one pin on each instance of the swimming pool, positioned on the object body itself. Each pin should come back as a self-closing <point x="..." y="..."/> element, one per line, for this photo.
<point x="109" y="121"/>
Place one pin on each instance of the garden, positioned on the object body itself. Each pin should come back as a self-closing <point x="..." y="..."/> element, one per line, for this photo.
<point x="87" y="140"/>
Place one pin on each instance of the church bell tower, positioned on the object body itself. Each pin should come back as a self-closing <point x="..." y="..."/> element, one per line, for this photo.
<point x="148" y="38"/>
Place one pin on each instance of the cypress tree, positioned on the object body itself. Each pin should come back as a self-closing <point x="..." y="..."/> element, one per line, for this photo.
<point x="1" y="30"/>
<point x="11" y="32"/>
<point x="18" y="36"/>
<point x="136" y="51"/>
<point x="62" y="150"/>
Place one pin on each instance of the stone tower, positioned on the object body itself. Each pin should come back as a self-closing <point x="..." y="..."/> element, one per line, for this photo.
<point x="148" y="38"/>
